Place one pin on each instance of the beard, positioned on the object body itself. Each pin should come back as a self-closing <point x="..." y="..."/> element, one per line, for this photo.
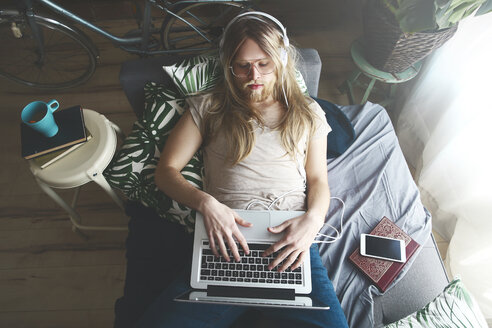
<point x="259" y="95"/>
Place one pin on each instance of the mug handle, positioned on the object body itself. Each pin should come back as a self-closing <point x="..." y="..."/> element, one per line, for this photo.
<point x="53" y="105"/>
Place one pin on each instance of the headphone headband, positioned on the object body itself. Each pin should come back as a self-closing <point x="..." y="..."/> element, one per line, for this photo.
<point x="283" y="50"/>
<point x="260" y="13"/>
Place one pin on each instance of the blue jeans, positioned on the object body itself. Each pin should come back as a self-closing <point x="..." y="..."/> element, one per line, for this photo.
<point x="165" y="312"/>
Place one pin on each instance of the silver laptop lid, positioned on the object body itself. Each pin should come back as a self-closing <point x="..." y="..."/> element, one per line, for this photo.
<point x="301" y="302"/>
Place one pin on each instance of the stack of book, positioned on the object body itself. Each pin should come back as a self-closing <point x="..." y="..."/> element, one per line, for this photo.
<point x="71" y="135"/>
<point x="382" y="272"/>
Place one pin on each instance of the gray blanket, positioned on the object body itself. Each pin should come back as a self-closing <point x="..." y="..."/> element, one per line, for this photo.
<point x="373" y="180"/>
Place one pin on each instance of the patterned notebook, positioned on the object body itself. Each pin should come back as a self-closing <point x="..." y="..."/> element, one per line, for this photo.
<point x="383" y="272"/>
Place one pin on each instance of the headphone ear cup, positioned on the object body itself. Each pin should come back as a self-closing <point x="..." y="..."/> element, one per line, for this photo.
<point x="221" y="45"/>
<point x="220" y="48"/>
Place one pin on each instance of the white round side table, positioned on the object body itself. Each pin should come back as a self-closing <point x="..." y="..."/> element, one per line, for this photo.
<point x="83" y="165"/>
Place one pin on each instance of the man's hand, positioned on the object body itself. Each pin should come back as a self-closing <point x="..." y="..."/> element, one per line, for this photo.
<point x="294" y="245"/>
<point x="221" y="225"/>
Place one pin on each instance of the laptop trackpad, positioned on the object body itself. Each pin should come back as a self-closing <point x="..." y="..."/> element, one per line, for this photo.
<point x="260" y="221"/>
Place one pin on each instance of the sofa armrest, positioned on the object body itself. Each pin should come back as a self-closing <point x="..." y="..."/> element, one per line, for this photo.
<point x="422" y="283"/>
<point x="136" y="72"/>
<point x="309" y="65"/>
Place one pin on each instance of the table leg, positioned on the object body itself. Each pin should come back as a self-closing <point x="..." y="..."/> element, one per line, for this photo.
<point x="392" y="91"/>
<point x="72" y="214"/>
<point x="347" y="86"/>
<point x="388" y="101"/>
<point x="368" y="91"/>
<point x="103" y="183"/>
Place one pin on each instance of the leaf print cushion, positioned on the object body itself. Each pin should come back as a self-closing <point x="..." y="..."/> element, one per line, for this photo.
<point x="195" y="75"/>
<point x="454" y="307"/>
<point x="132" y="168"/>
<point x="201" y="73"/>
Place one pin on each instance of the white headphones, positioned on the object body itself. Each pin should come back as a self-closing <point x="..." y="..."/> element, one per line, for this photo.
<point x="282" y="51"/>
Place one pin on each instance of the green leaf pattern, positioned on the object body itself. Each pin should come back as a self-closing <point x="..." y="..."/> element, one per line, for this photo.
<point x="195" y="75"/>
<point x="454" y="308"/>
<point x="132" y="169"/>
<point x="302" y="84"/>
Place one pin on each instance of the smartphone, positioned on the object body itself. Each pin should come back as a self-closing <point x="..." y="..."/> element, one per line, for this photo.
<point x="383" y="248"/>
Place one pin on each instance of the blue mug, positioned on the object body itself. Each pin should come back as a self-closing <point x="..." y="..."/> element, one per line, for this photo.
<point x="39" y="116"/>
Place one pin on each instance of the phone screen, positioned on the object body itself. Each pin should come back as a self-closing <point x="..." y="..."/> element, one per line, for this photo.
<point x="382" y="247"/>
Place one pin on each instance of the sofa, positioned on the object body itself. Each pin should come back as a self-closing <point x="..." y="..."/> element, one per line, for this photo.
<point x="426" y="277"/>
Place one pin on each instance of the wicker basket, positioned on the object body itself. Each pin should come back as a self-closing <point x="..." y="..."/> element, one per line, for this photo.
<point x="388" y="48"/>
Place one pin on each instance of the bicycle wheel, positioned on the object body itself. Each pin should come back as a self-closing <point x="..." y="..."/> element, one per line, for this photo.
<point x="69" y="58"/>
<point x="210" y="18"/>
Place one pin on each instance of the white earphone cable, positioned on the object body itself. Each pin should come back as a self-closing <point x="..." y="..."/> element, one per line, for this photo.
<point x="338" y="233"/>
<point x="331" y="239"/>
<point x="283" y="89"/>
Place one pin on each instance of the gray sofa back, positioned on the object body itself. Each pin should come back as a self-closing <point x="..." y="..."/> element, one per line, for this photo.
<point x="135" y="73"/>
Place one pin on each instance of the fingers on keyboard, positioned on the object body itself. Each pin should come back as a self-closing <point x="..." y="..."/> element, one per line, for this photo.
<point x="252" y="268"/>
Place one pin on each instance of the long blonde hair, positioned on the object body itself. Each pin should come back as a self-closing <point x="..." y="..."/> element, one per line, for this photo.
<point x="231" y="113"/>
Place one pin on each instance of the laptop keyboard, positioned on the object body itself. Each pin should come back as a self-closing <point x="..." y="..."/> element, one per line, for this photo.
<point x="252" y="268"/>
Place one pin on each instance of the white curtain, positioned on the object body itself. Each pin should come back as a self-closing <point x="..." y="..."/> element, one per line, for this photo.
<point x="445" y="130"/>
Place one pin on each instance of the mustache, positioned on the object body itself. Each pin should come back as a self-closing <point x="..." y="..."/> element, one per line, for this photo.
<point x="245" y="85"/>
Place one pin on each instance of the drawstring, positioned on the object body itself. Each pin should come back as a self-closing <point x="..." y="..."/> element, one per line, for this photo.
<point x="269" y="206"/>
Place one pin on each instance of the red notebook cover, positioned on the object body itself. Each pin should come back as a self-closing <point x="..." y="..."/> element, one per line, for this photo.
<point x="383" y="272"/>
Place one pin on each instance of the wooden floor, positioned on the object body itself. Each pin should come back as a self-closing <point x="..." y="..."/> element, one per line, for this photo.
<point x="50" y="276"/>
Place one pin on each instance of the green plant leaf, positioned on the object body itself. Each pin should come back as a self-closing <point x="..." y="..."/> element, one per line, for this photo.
<point x="462" y="11"/>
<point x="485" y="8"/>
<point x="443" y="3"/>
<point x="431" y="15"/>
<point x="416" y="16"/>
<point x="442" y="17"/>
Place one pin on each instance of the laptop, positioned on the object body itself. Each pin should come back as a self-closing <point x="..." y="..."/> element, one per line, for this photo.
<point x="249" y="282"/>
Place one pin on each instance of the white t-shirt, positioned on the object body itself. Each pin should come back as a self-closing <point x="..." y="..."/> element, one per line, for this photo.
<point x="267" y="173"/>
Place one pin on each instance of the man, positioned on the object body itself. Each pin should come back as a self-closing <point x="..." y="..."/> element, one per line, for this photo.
<point x="264" y="145"/>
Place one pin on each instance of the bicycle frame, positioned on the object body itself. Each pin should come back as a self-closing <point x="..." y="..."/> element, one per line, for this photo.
<point x="123" y="42"/>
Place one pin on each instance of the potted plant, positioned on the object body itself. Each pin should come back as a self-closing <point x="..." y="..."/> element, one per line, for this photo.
<point x="399" y="33"/>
